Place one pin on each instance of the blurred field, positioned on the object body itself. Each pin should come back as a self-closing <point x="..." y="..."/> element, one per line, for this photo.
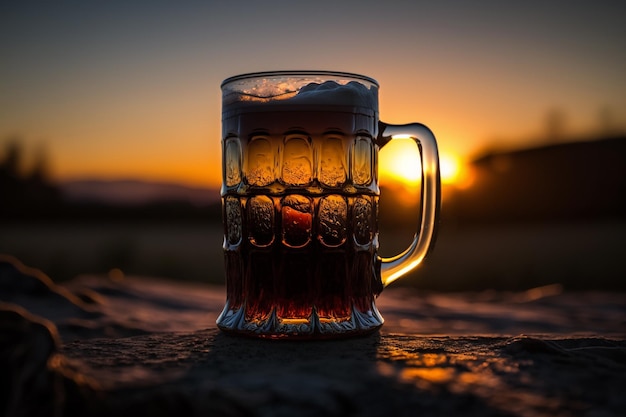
<point x="531" y="217"/>
<point x="517" y="257"/>
<point x="190" y="252"/>
<point x="502" y="257"/>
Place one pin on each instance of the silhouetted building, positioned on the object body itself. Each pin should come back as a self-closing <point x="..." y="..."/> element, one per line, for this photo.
<point x="574" y="181"/>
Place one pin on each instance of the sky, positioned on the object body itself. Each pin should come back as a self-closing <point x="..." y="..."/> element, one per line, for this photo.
<point x="130" y="89"/>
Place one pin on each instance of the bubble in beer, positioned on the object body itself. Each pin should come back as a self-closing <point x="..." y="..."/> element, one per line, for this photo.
<point x="261" y="220"/>
<point x="332" y="164"/>
<point x="232" y="161"/>
<point x="297" y="160"/>
<point x="333" y="213"/>
<point x="260" y="162"/>
<point x="363" y="220"/>
<point x="362" y="161"/>
<point x="232" y="209"/>
<point x="297" y="219"/>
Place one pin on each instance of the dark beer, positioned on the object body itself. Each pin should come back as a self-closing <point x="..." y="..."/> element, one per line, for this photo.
<point x="300" y="198"/>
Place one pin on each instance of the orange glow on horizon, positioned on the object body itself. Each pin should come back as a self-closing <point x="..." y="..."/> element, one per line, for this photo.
<point x="191" y="174"/>
<point x="193" y="165"/>
<point x="450" y="169"/>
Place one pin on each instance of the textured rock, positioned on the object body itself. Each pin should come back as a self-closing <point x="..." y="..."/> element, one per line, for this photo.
<point x="384" y="374"/>
<point x="102" y="347"/>
<point x="28" y="385"/>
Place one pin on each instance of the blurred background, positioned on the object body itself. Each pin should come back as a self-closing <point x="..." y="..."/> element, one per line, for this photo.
<point x="110" y="131"/>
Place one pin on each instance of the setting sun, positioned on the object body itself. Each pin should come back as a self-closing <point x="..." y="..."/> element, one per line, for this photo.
<point x="400" y="160"/>
<point x="449" y="167"/>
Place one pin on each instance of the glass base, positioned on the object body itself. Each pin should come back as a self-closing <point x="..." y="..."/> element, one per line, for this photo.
<point x="313" y="327"/>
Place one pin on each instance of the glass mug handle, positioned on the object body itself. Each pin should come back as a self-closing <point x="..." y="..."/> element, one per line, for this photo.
<point x="399" y="265"/>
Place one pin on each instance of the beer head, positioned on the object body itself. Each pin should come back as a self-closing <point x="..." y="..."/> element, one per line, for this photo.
<point x="299" y="89"/>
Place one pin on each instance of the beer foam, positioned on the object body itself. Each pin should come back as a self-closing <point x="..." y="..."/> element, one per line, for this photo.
<point x="328" y="93"/>
<point x="333" y="93"/>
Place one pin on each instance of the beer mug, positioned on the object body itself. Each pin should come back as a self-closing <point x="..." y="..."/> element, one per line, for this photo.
<point x="300" y="202"/>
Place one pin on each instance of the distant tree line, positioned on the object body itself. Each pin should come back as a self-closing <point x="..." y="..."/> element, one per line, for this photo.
<point x="30" y="195"/>
<point x="25" y="192"/>
<point x="576" y="181"/>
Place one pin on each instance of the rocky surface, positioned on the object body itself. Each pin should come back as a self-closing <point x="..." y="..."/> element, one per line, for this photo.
<point x="117" y="346"/>
<point x="206" y="372"/>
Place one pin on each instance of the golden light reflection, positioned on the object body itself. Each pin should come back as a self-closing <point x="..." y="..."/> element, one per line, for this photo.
<point x="435" y="375"/>
<point x="461" y="372"/>
<point x="476" y="374"/>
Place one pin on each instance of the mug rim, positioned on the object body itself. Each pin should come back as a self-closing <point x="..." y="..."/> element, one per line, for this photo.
<point x="299" y="73"/>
